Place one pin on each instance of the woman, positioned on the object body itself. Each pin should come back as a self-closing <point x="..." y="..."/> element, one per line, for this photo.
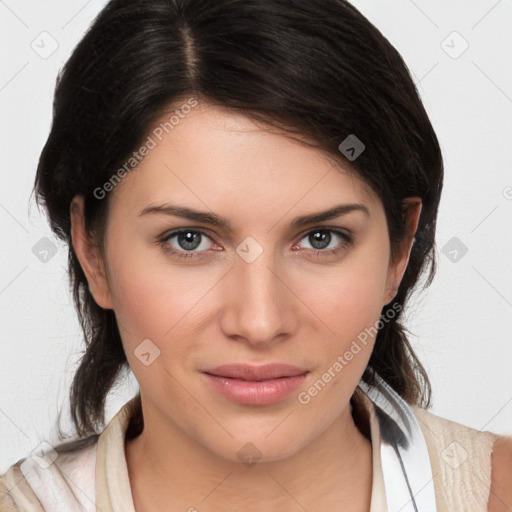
<point x="249" y="191"/>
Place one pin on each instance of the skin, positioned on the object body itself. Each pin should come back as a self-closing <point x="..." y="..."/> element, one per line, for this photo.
<point x="289" y="305"/>
<point x="500" y="496"/>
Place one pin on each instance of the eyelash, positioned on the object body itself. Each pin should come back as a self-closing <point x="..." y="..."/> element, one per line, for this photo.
<point x="347" y="241"/>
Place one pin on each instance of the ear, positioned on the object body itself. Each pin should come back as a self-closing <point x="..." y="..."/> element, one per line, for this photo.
<point x="89" y="256"/>
<point x="398" y="263"/>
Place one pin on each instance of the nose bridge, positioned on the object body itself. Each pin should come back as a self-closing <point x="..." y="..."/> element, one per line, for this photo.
<point x="259" y="308"/>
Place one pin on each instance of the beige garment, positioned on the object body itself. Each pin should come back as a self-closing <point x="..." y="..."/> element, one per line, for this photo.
<point x="461" y="462"/>
<point x="460" y="458"/>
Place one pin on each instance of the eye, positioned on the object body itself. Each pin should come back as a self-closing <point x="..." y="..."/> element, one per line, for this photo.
<point x="327" y="240"/>
<point x="183" y="241"/>
<point x="190" y="243"/>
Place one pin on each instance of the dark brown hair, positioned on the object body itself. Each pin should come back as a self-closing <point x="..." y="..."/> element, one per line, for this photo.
<point x="315" y="68"/>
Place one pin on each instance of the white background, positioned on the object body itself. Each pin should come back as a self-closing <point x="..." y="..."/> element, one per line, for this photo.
<point x="461" y="325"/>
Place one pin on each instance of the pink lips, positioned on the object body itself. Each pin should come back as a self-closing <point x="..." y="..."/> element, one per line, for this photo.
<point x="256" y="385"/>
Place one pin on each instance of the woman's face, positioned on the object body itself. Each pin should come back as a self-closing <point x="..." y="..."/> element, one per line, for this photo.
<point x="266" y="289"/>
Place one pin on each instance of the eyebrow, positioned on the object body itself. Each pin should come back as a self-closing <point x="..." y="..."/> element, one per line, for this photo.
<point x="215" y="220"/>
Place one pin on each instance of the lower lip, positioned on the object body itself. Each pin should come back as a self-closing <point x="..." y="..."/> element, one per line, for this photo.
<point x="256" y="393"/>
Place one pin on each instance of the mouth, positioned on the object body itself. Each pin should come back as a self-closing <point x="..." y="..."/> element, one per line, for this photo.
<point x="256" y="373"/>
<point x="255" y="385"/>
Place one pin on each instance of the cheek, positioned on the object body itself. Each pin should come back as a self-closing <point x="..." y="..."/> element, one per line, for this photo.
<point x="154" y="305"/>
<point x="358" y="303"/>
<point x="151" y="300"/>
<point x="349" y="298"/>
<point x="347" y="303"/>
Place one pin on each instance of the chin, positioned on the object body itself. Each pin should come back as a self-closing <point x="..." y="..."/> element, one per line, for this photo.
<point x="251" y="449"/>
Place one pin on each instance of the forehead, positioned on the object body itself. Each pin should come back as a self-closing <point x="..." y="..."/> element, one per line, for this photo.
<point x="216" y="158"/>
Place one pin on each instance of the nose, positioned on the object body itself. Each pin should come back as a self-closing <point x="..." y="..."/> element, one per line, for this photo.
<point x="260" y="309"/>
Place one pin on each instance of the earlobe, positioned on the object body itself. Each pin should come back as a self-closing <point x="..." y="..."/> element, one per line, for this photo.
<point x="89" y="256"/>
<point x="392" y="291"/>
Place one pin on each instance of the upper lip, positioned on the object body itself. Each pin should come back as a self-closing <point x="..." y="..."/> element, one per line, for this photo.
<point x="255" y="373"/>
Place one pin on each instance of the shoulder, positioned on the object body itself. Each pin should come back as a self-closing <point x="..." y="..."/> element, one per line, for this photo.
<point x="16" y="495"/>
<point x="461" y="459"/>
<point x="500" y="497"/>
<point x="451" y="436"/>
<point x="33" y="482"/>
<point x="443" y="430"/>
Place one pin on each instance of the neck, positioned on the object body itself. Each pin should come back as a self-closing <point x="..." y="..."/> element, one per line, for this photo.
<point x="170" y="471"/>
